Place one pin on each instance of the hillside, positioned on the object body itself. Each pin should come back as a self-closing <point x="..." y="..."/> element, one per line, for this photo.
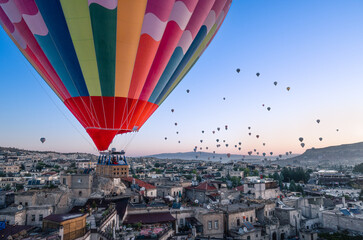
<point x="346" y="154"/>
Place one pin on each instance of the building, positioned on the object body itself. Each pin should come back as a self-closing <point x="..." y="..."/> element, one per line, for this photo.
<point x="203" y="192"/>
<point x="144" y="188"/>
<point x="332" y="177"/>
<point x="261" y="188"/>
<point x="9" y="168"/>
<point x="79" y="184"/>
<point x="112" y="165"/>
<point x="70" y="226"/>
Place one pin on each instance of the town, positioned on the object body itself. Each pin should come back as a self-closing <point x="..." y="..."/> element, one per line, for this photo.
<point x="47" y="195"/>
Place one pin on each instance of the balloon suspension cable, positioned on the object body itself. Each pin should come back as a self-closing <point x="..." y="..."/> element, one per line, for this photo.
<point x="62" y="112"/>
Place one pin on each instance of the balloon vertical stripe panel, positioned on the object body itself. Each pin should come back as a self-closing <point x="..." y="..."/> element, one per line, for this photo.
<point x="112" y="62"/>
<point x="104" y="22"/>
<point x="60" y="46"/>
<point x="79" y="25"/>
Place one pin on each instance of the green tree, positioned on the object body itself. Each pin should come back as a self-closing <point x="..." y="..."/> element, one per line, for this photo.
<point x="292" y="186"/>
<point x="7" y="187"/>
<point x="358" y="168"/>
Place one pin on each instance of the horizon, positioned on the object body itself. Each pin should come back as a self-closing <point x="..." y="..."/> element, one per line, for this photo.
<point x="317" y="54"/>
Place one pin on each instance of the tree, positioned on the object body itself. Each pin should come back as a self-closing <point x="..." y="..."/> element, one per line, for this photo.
<point x="292" y="187"/>
<point x="358" y="168"/>
<point x="7" y="187"/>
<point x="157" y="165"/>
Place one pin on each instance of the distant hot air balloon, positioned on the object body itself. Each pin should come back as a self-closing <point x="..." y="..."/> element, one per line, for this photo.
<point x="188" y="90"/>
<point x="112" y="63"/>
<point x="235" y="146"/>
<point x="268" y="108"/>
<point x="264" y="144"/>
<point x="257" y="136"/>
<point x="217" y="140"/>
<point x="249" y="134"/>
<point x="280" y="155"/>
<point x="249" y="128"/>
<point x="337" y="130"/>
<point x="206" y="148"/>
<point x="218" y="128"/>
<point x="271" y="153"/>
<point x="172" y="110"/>
<point x="176" y="124"/>
<point x="177" y="132"/>
<point x="249" y="153"/>
<point x="42" y="140"/>
<point x="301" y="139"/>
<point x="318" y="120"/>
<point x="165" y="138"/>
<point x="290" y="152"/>
<point x="302" y="144"/>
<point x="288" y="88"/>
<point x="226" y="144"/>
<point x="239" y="149"/>
<point x="202" y="131"/>
<point x="240" y="143"/>
<point x="254" y="150"/>
<point x="321" y="139"/>
<point x="226" y="127"/>
<point x="275" y="83"/>
<point x="178" y="141"/>
<point x="224" y="141"/>
<point x="201" y="140"/>
<point x="238" y="70"/>
<point x="214" y="151"/>
<point x="263" y="105"/>
<point x="224" y="98"/>
<point x="258" y="74"/>
<point x="264" y="154"/>
<point x="213" y="132"/>
<point x="287" y="153"/>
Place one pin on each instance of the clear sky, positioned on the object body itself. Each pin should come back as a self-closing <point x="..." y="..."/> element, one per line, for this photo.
<point x="313" y="46"/>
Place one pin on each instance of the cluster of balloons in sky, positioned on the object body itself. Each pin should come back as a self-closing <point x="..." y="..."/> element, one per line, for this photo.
<point x="238" y="145"/>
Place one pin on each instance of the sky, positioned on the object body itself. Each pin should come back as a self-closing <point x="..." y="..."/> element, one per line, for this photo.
<point x="315" y="47"/>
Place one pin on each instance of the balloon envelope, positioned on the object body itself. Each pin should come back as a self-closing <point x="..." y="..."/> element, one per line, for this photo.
<point x="42" y="140"/>
<point x="112" y="63"/>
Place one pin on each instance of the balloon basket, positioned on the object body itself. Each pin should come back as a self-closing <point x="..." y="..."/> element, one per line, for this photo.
<point x="112" y="164"/>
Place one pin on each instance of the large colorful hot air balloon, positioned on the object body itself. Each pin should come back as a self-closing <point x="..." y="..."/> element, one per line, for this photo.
<point x="112" y="63"/>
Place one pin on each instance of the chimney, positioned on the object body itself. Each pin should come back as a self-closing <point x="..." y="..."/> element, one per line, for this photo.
<point x="343" y="201"/>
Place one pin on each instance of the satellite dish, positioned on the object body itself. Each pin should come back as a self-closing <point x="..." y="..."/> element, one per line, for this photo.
<point x="240" y="231"/>
<point x="181" y="208"/>
<point x="208" y="206"/>
<point x="20" y="207"/>
<point x="196" y="201"/>
<point x="245" y="229"/>
<point x="142" y="189"/>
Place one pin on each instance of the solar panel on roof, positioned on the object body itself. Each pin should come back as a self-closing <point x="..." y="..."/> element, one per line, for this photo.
<point x="355" y="211"/>
<point x="248" y="225"/>
<point x="345" y="212"/>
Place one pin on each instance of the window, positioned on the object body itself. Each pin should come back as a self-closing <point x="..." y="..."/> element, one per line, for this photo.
<point x="79" y="180"/>
<point x="181" y="222"/>
<point x="64" y="181"/>
<point x="26" y="204"/>
<point x="80" y="193"/>
<point x="40" y="217"/>
<point x="33" y="218"/>
<point x="21" y="203"/>
<point x="209" y="224"/>
<point x="248" y="237"/>
<point x="250" y="219"/>
<point x="216" y="224"/>
<point x="256" y="235"/>
<point x="238" y="222"/>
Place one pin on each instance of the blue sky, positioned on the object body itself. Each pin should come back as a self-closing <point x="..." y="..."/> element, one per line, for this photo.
<point x="313" y="46"/>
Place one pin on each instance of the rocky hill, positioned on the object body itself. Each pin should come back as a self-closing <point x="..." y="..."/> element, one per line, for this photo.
<point x="346" y="154"/>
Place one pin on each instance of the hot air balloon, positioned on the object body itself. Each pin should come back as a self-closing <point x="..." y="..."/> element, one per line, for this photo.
<point x="178" y="141"/>
<point x="112" y="63"/>
<point x="217" y="140"/>
<point x="287" y="153"/>
<point x="240" y="143"/>
<point x="202" y="131"/>
<point x="257" y="136"/>
<point x="258" y="74"/>
<point x="318" y="120"/>
<point x="321" y="139"/>
<point x="224" y="141"/>
<point x="165" y="138"/>
<point x="206" y="148"/>
<point x="42" y="140"/>
<point x="172" y="110"/>
<point x="249" y="134"/>
<point x="218" y="128"/>
<point x="239" y="149"/>
<point x="301" y="139"/>
<point x="302" y="145"/>
<point x="280" y="155"/>
<point x="275" y="83"/>
<point x="254" y="150"/>
<point x="177" y="132"/>
<point x="288" y="88"/>
<point x="263" y="105"/>
<point x="224" y="98"/>
<point x="176" y="124"/>
<point x="249" y="153"/>
<point x="238" y="70"/>
<point x="226" y="144"/>
<point x="235" y="146"/>
<point x="290" y="152"/>
<point x="249" y="128"/>
<point x="268" y="108"/>
<point x="264" y="154"/>
<point x="271" y="153"/>
<point x="213" y="132"/>
<point x="214" y="151"/>
<point x="337" y="130"/>
<point x="264" y="144"/>
<point x="201" y="140"/>
<point x="226" y="127"/>
<point x="188" y="90"/>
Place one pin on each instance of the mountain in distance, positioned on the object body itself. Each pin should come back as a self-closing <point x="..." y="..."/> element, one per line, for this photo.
<point x="345" y="154"/>
<point x="205" y="156"/>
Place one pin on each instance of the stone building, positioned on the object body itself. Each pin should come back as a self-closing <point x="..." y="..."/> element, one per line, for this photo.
<point x="261" y="188"/>
<point x="213" y="222"/>
<point x="80" y="185"/>
<point x="201" y="192"/>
